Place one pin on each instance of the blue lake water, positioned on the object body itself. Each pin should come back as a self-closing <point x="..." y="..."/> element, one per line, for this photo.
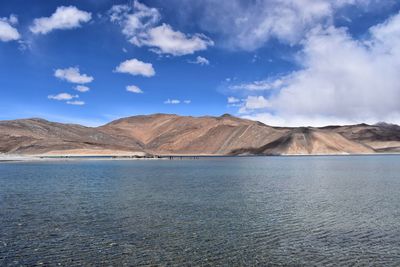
<point x="220" y="211"/>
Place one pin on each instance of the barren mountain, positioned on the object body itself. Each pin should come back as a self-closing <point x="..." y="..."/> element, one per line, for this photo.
<point x="166" y="134"/>
<point x="382" y="137"/>
<point x="38" y="136"/>
<point x="303" y="141"/>
<point x="172" y="134"/>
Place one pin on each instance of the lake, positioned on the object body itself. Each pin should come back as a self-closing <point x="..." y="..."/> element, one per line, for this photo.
<point x="342" y="210"/>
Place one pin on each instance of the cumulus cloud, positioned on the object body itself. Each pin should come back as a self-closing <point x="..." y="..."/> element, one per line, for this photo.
<point x="62" y="96"/>
<point x="341" y="80"/>
<point x="187" y="101"/>
<point x="254" y="102"/>
<point x="81" y="88"/>
<point x="76" y="103"/>
<point x="134" y="20"/>
<point x="7" y="31"/>
<point x="172" y="101"/>
<point x="134" y="89"/>
<point x="136" y="67"/>
<point x="140" y="25"/>
<point x="200" y="60"/>
<point x="249" y="25"/>
<point x="73" y="75"/>
<point x="233" y="100"/>
<point x="164" y="40"/>
<point x="65" y="17"/>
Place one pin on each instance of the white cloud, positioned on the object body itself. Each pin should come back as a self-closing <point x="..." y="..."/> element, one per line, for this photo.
<point x="172" y="101"/>
<point x="81" y="88"/>
<point x="73" y="75"/>
<point x="68" y="98"/>
<point x="249" y="25"/>
<point x="259" y="85"/>
<point x="254" y="102"/>
<point x="136" y="67"/>
<point x="13" y="19"/>
<point x="24" y="45"/>
<point x="164" y="40"/>
<point x="7" y="31"/>
<point x="134" y="20"/>
<point x="76" y="103"/>
<point x="299" y="120"/>
<point x="62" y="96"/>
<point x="139" y="25"/>
<point x="63" y="18"/>
<point x="200" y="60"/>
<point x="341" y="80"/>
<point x="233" y="100"/>
<point x="134" y="89"/>
<point x="177" y="101"/>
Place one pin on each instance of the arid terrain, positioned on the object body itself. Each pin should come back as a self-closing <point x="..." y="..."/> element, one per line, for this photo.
<point x="166" y="134"/>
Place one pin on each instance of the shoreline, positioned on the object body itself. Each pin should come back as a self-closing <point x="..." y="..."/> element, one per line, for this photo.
<point x="8" y="158"/>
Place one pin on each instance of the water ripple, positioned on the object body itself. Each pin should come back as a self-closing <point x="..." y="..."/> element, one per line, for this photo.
<point x="316" y="211"/>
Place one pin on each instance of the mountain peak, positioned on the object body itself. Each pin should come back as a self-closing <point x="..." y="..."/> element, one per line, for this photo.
<point x="226" y="115"/>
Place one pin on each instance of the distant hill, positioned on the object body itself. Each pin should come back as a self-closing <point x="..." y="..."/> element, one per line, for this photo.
<point x="165" y="134"/>
<point x="38" y="136"/>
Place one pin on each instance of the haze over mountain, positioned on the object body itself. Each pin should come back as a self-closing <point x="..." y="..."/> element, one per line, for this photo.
<point x="168" y="134"/>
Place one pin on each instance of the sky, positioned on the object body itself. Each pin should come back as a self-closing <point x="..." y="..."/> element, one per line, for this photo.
<point x="282" y="62"/>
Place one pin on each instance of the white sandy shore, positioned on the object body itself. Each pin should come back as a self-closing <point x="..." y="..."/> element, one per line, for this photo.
<point x="9" y="157"/>
<point x="77" y="155"/>
<point x="20" y="158"/>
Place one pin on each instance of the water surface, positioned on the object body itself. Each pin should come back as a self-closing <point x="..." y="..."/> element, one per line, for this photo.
<point x="220" y="211"/>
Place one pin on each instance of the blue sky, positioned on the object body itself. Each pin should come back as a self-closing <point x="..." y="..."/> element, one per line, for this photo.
<point x="282" y="62"/>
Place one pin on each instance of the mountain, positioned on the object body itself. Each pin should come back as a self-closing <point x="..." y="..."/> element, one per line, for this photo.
<point x="304" y="141"/>
<point x="382" y="137"/>
<point x="172" y="134"/>
<point x="168" y="134"/>
<point x="38" y="136"/>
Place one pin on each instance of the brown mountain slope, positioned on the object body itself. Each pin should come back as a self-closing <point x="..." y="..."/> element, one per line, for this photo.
<point x="303" y="141"/>
<point x="166" y="134"/>
<point x="37" y="136"/>
<point x="172" y="134"/>
<point x="382" y="137"/>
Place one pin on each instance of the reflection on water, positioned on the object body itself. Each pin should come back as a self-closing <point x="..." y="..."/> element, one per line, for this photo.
<point x="230" y="211"/>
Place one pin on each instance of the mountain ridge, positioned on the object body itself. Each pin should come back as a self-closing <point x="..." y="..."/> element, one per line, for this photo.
<point x="172" y="134"/>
